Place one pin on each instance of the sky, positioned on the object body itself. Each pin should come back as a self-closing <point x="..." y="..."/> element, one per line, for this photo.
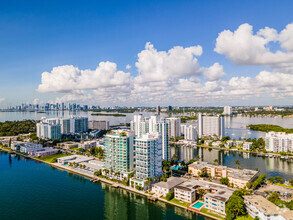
<point x="146" y="53"/>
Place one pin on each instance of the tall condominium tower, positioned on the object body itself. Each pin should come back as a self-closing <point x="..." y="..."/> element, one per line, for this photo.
<point x="227" y="110"/>
<point x="119" y="152"/>
<point x="48" y="131"/>
<point x="148" y="155"/>
<point x="158" y="110"/>
<point x="141" y="125"/>
<point x="189" y="132"/>
<point x="174" y="127"/>
<point x="210" y="125"/>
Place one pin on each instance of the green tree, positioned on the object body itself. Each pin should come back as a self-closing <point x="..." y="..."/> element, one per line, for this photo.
<point x="224" y="180"/>
<point x="170" y="195"/>
<point x="234" y="207"/>
<point x="291" y="182"/>
<point x="175" y="157"/>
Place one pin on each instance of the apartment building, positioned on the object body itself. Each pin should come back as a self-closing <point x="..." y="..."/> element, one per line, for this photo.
<point x="210" y="126"/>
<point x="87" y="144"/>
<point x="247" y="145"/>
<point x="44" y="152"/>
<point x="279" y="141"/>
<point x="258" y="206"/>
<point x="189" y="132"/>
<point x="198" y="167"/>
<point x="239" y="178"/>
<point x="25" y="147"/>
<point x="141" y="125"/>
<point x="163" y="188"/>
<point x="227" y="110"/>
<point x="186" y="191"/>
<point x="48" y="131"/>
<point x="148" y="155"/>
<point x="100" y="125"/>
<point x="216" y="200"/>
<point x="174" y="127"/>
<point x="119" y="152"/>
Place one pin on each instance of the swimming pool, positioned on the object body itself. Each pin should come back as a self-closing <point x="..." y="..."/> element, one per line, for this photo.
<point x="176" y="167"/>
<point x="197" y="205"/>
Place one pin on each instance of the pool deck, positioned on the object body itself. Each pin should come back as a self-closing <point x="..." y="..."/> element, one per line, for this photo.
<point x="196" y="209"/>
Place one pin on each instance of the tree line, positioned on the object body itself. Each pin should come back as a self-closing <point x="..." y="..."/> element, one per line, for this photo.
<point x="13" y="128"/>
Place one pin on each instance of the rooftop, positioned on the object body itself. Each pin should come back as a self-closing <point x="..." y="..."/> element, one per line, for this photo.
<point x="244" y="174"/>
<point x="171" y="182"/>
<point x="262" y="204"/>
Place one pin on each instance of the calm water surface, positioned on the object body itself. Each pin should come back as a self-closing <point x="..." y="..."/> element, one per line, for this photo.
<point x="266" y="165"/>
<point x="32" y="190"/>
<point x="235" y="127"/>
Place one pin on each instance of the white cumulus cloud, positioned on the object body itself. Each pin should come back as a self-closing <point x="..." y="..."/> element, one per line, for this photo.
<point x="153" y="65"/>
<point x="68" y="78"/>
<point x="246" y="48"/>
<point x="214" y="72"/>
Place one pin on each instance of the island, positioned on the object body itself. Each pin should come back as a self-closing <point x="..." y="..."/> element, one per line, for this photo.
<point x="103" y="114"/>
<point x="269" y="127"/>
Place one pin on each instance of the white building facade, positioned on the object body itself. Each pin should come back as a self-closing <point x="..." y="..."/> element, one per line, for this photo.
<point x="227" y="110"/>
<point x="210" y="125"/>
<point x="279" y="142"/>
<point x="174" y="127"/>
<point x="148" y="155"/>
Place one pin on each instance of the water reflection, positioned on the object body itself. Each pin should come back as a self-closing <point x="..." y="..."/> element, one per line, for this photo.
<point x="266" y="165"/>
<point x="122" y="204"/>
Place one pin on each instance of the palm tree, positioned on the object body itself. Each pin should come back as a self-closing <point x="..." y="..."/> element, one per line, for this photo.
<point x="237" y="162"/>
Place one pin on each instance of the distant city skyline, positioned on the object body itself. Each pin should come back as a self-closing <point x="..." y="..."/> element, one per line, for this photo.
<point x="138" y="53"/>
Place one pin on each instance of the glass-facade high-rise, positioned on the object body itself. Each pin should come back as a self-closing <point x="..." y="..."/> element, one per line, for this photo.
<point x="119" y="154"/>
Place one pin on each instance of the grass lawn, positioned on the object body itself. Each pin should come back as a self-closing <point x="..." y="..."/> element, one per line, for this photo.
<point x="284" y="185"/>
<point x="50" y="158"/>
<point x="5" y="148"/>
<point x="176" y="201"/>
<point x="245" y="217"/>
<point x="74" y="149"/>
<point x="206" y="211"/>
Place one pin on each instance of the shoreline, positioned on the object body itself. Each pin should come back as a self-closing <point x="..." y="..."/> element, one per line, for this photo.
<point x="235" y="150"/>
<point x="94" y="179"/>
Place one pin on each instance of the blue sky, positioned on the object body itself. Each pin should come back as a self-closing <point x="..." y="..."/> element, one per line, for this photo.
<point x="36" y="36"/>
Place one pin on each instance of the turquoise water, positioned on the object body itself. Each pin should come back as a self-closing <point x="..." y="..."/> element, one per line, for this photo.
<point x="139" y="180"/>
<point x="176" y="167"/>
<point x="31" y="190"/>
<point x="198" y="205"/>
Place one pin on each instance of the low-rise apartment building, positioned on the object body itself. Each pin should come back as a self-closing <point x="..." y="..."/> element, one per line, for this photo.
<point x="258" y="206"/>
<point x="198" y="167"/>
<point x="186" y="191"/>
<point x="43" y="152"/>
<point x="247" y="145"/>
<point x="239" y="178"/>
<point x="25" y="147"/>
<point x="216" y="200"/>
<point x="163" y="188"/>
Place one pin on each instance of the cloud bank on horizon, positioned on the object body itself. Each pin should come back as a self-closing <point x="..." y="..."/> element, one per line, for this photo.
<point x="176" y="76"/>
